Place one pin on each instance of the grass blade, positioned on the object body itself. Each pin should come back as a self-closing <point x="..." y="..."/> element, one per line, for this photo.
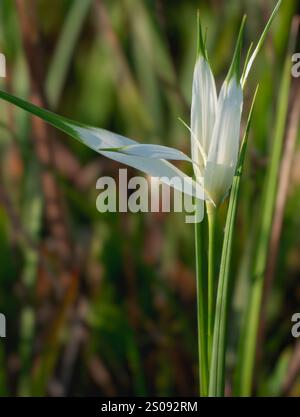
<point x="217" y="369"/>
<point x="201" y="310"/>
<point x="260" y="44"/>
<point x="64" y="50"/>
<point x="249" y="340"/>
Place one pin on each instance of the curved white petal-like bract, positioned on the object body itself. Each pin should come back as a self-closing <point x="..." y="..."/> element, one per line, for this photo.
<point x="224" y="147"/>
<point x="145" y="158"/>
<point x="156" y="152"/>
<point x="203" y="111"/>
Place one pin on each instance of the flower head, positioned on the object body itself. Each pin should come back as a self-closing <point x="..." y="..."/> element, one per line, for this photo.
<point x="215" y="127"/>
<point x="215" y="123"/>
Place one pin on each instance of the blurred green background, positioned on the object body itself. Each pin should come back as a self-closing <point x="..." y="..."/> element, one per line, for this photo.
<point x="105" y="304"/>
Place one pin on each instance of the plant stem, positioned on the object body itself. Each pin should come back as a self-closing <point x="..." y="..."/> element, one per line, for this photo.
<point x="217" y="365"/>
<point x="250" y="334"/>
<point x="211" y="215"/>
<point x="201" y="311"/>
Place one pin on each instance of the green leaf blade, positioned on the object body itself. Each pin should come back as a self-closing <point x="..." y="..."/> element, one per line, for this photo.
<point x="260" y="44"/>
<point x="217" y="370"/>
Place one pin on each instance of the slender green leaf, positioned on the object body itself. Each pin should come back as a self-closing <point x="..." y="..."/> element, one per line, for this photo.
<point x="234" y="69"/>
<point x="65" y="47"/>
<point x="217" y="369"/>
<point x="201" y="47"/>
<point x="260" y="43"/>
<point x="202" y="319"/>
<point x="247" y="61"/>
<point x="249" y="339"/>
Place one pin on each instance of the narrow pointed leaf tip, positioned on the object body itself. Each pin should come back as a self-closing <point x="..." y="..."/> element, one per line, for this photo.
<point x="235" y="69"/>
<point x="201" y="47"/>
<point x="246" y="61"/>
<point x="260" y="43"/>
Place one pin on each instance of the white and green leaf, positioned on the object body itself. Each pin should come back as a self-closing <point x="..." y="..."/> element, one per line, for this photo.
<point x="150" y="159"/>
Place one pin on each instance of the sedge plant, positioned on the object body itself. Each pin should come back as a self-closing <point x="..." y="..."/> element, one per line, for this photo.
<point x="217" y="159"/>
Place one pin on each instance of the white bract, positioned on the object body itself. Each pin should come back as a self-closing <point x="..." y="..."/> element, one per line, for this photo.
<point x="215" y="129"/>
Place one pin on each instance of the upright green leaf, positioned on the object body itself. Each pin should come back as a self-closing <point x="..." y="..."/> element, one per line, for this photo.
<point x="251" y="60"/>
<point x="217" y="369"/>
<point x="65" y="47"/>
<point x="249" y="338"/>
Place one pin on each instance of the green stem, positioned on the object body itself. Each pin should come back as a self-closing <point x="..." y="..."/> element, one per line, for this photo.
<point x="250" y="334"/>
<point x="201" y="311"/>
<point x="217" y="365"/>
<point x="211" y="215"/>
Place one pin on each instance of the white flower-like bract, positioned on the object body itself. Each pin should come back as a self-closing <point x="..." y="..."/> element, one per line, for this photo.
<point x="215" y="130"/>
<point x="215" y="123"/>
